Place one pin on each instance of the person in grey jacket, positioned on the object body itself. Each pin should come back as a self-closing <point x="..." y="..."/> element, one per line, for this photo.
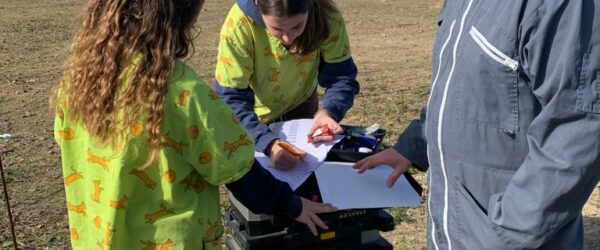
<point x="511" y="131"/>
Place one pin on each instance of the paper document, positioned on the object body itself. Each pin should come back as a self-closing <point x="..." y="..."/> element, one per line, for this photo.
<point x="344" y="188"/>
<point x="295" y="132"/>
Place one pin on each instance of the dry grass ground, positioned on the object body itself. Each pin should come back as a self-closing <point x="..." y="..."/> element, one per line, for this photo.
<point x="391" y="43"/>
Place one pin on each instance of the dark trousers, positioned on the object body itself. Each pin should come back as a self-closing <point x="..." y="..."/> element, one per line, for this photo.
<point x="306" y="110"/>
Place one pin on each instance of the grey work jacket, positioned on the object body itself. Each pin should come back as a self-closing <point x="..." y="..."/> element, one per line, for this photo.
<point x="511" y="132"/>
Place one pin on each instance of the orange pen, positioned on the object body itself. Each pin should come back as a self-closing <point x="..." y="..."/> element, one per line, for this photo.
<point x="290" y="149"/>
<point x="323" y="131"/>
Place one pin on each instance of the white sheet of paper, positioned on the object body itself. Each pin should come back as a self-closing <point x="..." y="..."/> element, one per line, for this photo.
<point x="295" y="132"/>
<point x="344" y="188"/>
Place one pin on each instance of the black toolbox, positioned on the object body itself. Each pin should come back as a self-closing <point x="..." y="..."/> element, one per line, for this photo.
<point x="348" y="229"/>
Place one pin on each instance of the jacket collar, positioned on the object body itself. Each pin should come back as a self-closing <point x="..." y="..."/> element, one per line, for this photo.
<point x="251" y="10"/>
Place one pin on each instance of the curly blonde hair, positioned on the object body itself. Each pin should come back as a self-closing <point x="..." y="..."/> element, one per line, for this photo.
<point x="119" y="64"/>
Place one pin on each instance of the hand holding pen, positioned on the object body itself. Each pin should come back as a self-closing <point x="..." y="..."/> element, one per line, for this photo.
<point x="324" y="128"/>
<point x="285" y="156"/>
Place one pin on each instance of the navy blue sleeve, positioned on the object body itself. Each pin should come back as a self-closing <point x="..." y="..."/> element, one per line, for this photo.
<point x="412" y="143"/>
<point x="241" y="102"/>
<point x="339" y="81"/>
<point x="260" y="192"/>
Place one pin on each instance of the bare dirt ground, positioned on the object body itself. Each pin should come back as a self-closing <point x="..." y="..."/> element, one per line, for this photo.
<point x="391" y="43"/>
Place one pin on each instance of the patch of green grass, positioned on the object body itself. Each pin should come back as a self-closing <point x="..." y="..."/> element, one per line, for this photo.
<point x="399" y="214"/>
<point x="6" y="243"/>
<point x="395" y="106"/>
<point x="12" y="175"/>
<point x="51" y="239"/>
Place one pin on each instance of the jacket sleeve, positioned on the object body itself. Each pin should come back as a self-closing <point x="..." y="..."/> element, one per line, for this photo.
<point x="242" y="103"/>
<point x="339" y="81"/>
<point x="235" y="66"/>
<point x="412" y="143"/>
<point x="559" y="54"/>
<point x="337" y="71"/>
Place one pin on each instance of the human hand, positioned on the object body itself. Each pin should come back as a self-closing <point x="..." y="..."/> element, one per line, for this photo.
<point x="285" y="156"/>
<point x="309" y="217"/>
<point x="324" y="127"/>
<point x="389" y="157"/>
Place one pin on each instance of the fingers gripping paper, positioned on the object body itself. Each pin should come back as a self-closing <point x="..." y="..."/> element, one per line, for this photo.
<point x="344" y="188"/>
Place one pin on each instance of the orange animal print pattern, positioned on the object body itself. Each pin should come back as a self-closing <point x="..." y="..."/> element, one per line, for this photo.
<point x="281" y="101"/>
<point x="60" y="114"/>
<point x="250" y="52"/>
<point x="214" y="233"/>
<point x="276" y="88"/>
<point x="169" y="142"/>
<point x="98" y="222"/>
<point x="226" y="60"/>
<point x="140" y="174"/>
<point x="274" y="75"/>
<point x="74" y="234"/>
<point x="231" y="148"/>
<point x="333" y="38"/>
<point x="66" y="134"/>
<point x="182" y="99"/>
<point x="103" y="162"/>
<point x="137" y="129"/>
<point x="230" y="23"/>
<point x="72" y="177"/>
<point x="270" y="53"/>
<point x="170" y="176"/>
<point x="193" y="181"/>
<point x="162" y="212"/>
<point x="224" y="37"/>
<point x="107" y="192"/>
<point x="205" y="158"/>
<point x="80" y="209"/>
<point x="108" y="233"/>
<point x="306" y="58"/>
<point x="245" y="20"/>
<point x="100" y="244"/>
<point x="158" y="246"/>
<point x="119" y="204"/>
<point x="97" y="191"/>
<point x="193" y="132"/>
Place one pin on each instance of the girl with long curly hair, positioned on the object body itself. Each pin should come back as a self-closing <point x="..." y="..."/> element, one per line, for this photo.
<point x="145" y="143"/>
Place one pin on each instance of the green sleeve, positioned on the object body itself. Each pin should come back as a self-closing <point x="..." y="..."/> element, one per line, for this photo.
<point x="337" y="46"/>
<point x="220" y="149"/>
<point x="235" y="58"/>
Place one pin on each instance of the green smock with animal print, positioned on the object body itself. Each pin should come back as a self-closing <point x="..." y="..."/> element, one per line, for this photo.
<point x="249" y="56"/>
<point x="174" y="203"/>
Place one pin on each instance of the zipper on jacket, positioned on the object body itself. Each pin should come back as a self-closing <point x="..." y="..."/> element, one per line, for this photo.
<point x="492" y="51"/>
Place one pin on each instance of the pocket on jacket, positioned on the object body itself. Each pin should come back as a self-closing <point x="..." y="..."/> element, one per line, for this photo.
<point x="493" y="52"/>
<point x="474" y="227"/>
<point x="588" y="91"/>
<point x="488" y="80"/>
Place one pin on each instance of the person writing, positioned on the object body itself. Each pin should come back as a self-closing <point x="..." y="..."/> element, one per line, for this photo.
<point x="145" y="143"/>
<point x="510" y="132"/>
<point x="272" y="55"/>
